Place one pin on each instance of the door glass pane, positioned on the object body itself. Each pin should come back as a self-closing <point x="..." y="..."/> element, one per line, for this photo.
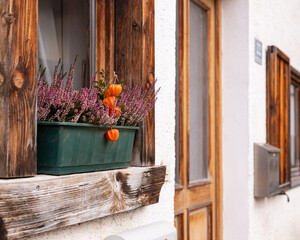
<point x="198" y="92"/>
<point x="64" y="33"/>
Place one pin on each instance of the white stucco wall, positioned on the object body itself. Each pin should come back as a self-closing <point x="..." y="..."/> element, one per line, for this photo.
<point x="274" y="22"/>
<point x="235" y="114"/>
<point x="165" y="145"/>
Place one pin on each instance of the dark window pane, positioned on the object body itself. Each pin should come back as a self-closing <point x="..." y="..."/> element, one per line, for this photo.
<point x="294" y="128"/>
<point x="64" y="32"/>
<point x="198" y="92"/>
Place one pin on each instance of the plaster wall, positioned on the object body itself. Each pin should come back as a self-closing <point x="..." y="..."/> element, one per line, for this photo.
<point x="273" y="22"/>
<point x="165" y="146"/>
<point x="235" y="116"/>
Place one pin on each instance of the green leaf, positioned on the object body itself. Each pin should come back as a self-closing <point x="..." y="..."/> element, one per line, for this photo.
<point x="122" y="107"/>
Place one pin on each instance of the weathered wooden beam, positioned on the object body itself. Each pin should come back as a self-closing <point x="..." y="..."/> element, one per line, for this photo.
<point x="18" y="48"/>
<point x="43" y="203"/>
<point x="148" y="144"/>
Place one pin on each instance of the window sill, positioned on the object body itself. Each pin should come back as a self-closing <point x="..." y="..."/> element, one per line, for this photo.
<point x="34" y="205"/>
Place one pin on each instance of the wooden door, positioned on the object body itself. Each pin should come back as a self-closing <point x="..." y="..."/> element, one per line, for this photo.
<point x="198" y="137"/>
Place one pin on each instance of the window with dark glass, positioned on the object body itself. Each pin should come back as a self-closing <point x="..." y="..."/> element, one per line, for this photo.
<point x="113" y="35"/>
<point x="283" y="114"/>
<point x="198" y="93"/>
<point x="66" y="30"/>
<point x="192" y="94"/>
<point x="295" y="126"/>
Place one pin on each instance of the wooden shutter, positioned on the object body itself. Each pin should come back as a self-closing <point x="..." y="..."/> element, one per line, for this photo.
<point x="278" y="87"/>
<point x="18" y="51"/>
<point x="125" y="43"/>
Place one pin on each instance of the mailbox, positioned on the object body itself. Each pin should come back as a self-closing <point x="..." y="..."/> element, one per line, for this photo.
<point x="155" y="231"/>
<point x="266" y="170"/>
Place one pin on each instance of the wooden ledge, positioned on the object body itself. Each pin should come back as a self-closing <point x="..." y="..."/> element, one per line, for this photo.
<point x="34" y="205"/>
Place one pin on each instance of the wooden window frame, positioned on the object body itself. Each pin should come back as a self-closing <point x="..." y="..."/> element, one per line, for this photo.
<point x="278" y="112"/>
<point x="295" y="172"/>
<point x="135" y="37"/>
<point x="113" y="191"/>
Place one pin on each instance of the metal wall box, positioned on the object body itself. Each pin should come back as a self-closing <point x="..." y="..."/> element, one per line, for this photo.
<point x="161" y="230"/>
<point x="266" y="170"/>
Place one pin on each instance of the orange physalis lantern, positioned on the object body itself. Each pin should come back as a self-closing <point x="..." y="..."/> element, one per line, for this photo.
<point x="112" y="135"/>
<point x="115" y="89"/>
<point x="117" y="111"/>
<point x="109" y="101"/>
<point x="107" y="93"/>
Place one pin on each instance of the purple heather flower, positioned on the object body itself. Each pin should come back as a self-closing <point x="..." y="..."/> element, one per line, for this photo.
<point x="60" y="103"/>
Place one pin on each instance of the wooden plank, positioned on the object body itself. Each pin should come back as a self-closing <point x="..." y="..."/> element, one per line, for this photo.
<point x="129" y="55"/>
<point x="278" y="87"/>
<point x="43" y="203"/>
<point x="100" y="35"/>
<point x="137" y="48"/>
<point x="218" y="141"/>
<point x="198" y="224"/>
<point x="109" y="38"/>
<point x="18" y="47"/>
<point x="179" y="224"/>
<point x="148" y="144"/>
<point x="181" y="96"/>
<point x="134" y="64"/>
<point x="124" y="40"/>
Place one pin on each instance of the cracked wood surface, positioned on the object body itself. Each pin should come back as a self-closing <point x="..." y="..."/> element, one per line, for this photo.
<point x="18" y="48"/>
<point x="43" y="203"/>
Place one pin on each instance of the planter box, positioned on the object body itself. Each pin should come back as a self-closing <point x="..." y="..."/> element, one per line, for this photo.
<point x="64" y="148"/>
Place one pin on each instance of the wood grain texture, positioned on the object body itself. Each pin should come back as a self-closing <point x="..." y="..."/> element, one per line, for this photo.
<point x="278" y="108"/>
<point x="179" y="224"/>
<point x="134" y="64"/>
<point x="198" y="224"/>
<point x="218" y="119"/>
<point x="129" y="40"/>
<point x="124" y="40"/>
<point x="18" y="56"/>
<point x="110" y="38"/>
<point x="100" y="35"/>
<point x="210" y="189"/>
<point x="148" y="143"/>
<point x="105" y="37"/>
<point x="44" y="203"/>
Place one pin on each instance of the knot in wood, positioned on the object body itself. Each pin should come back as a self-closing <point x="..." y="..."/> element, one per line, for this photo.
<point x="9" y="18"/>
<point x="135" y="26"/>
<point x="18" y="80"/>
<point x="151" y="78"/>
<point x="1" y="79"/>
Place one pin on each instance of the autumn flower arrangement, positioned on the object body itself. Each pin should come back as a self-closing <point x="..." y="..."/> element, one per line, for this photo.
<point x="102" y="103"/>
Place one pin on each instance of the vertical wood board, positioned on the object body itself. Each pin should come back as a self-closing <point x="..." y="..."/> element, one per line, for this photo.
<point x="134" y="64"/>
<point x="148" y="144"/>
<point x="18" y="47"/>
<point x="278" y="104"/>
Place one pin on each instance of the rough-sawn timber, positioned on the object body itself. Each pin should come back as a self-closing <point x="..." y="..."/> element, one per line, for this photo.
<point x="43" y="203"/>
